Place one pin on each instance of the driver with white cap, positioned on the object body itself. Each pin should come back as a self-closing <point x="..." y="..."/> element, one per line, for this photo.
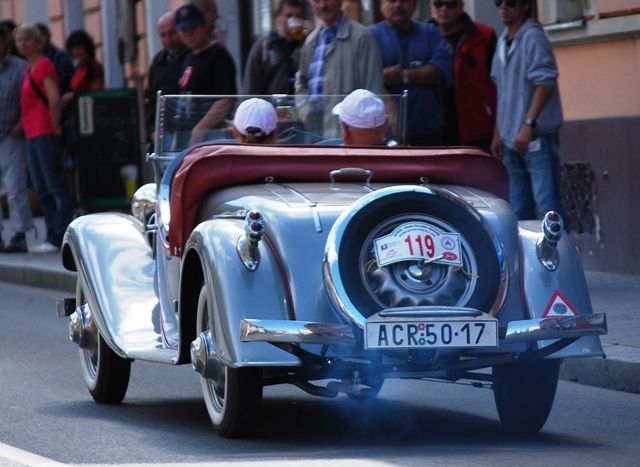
<point x="363" y="119"/>
<point x="255" y="122"/>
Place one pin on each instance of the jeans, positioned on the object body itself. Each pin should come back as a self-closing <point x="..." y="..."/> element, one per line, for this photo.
<point x="534" y="179"/>
<point x="44" y="161"/>
<point x="13" y="170"/>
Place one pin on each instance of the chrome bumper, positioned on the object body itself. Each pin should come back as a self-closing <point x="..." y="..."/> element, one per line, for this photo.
<point x="306" y="332"/>
<point x="300" y="332"/>
<point x="556" y="327"/>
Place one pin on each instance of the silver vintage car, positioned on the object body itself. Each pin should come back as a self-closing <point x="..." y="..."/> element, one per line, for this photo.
<point x="331" y="268"/>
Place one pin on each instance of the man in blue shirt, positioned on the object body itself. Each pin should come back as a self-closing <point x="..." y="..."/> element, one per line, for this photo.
<point x="416" y="57"/>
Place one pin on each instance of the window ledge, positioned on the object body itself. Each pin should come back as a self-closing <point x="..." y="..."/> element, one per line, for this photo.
<point x="597" y="30"/>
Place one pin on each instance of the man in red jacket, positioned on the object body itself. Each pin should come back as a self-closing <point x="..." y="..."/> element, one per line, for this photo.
<point x="470" y="104"/>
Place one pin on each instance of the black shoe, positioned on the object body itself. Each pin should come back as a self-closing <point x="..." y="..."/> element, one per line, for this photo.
<point x="17" y="244"/>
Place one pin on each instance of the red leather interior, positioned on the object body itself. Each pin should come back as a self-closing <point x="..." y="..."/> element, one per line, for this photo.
<point x="210" y="167"/>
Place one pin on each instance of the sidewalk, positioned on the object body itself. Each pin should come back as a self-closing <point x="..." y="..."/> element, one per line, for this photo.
<point x="616" y="295"/>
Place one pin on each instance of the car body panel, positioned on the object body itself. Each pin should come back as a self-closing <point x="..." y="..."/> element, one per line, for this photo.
<point x="100" y="244"/>
<point x="116" y="265"/>
<point x="293" y="263"/>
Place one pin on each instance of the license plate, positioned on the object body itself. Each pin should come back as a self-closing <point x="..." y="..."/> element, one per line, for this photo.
<point x="418" y="241"/>
<point x="421" y="334"/>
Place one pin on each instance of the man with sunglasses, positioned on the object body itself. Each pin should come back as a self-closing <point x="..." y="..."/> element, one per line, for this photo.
<point x="529" y="112"/>
<point x="470" y="104"/>
<point x="417" y="58"/>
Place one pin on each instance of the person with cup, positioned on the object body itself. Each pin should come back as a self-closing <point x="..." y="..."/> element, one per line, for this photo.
<point x="273" y="60"/>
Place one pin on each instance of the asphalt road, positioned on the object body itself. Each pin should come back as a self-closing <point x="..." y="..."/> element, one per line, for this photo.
<point x="45" y="409"/>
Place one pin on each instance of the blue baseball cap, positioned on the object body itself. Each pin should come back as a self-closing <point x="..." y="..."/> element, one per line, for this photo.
<point x="189" y="15"/>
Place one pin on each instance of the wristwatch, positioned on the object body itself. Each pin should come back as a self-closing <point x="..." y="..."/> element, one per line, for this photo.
<point x="405" y="76"/>
<point x="532" y="122"/>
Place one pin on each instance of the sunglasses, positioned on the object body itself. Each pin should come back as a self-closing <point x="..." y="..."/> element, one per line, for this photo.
<point x="510" y="3"/>
<point x="451" y="4"/>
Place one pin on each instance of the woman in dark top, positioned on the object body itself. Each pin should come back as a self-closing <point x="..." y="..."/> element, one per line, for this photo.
<point x="88" y="74"/>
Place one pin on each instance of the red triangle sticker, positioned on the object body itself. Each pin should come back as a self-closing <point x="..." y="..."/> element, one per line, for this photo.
<point x="559" y="306"/>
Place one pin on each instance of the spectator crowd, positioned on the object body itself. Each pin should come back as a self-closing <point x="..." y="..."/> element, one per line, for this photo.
<point x="464" y="86"/>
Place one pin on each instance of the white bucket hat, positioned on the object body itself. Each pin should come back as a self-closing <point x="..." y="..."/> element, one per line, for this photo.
<point x="361" y="109"/>
<point x="256" y="113"/>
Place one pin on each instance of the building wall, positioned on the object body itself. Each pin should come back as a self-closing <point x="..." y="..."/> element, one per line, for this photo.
<point x="599" y="64"/>
<point x="599" y="80"/>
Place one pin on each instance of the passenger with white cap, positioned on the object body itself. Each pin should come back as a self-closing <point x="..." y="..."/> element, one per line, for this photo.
<point x="363" y="119"/>
<point x="255" y="122"/>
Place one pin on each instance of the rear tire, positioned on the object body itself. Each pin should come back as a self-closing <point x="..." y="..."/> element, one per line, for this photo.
<point x="524" y="394"/>
<point x="105" y="373"/>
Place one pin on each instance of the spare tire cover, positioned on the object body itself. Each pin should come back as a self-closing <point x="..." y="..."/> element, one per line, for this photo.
<point x="359" y="287"/>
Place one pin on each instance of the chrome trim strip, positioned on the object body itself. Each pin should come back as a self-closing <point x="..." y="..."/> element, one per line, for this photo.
<point x="429" y="312"/>
<point x="300" y="195"/>
<point x="300" y="332"/>
<point x="556" y="327"/>
<point x="303" y="199"/>
<point x="316" y="219"/>
<point x="299" y="199"/>
<point x="312" y="205"/>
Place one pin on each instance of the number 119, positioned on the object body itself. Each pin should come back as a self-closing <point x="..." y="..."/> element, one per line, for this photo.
<point x="424" y="243"/>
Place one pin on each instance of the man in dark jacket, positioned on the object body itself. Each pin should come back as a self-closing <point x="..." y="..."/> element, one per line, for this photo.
<point x="470" y="104"/>
<point x="273" y="61"/>
<point x="166" y="67"/>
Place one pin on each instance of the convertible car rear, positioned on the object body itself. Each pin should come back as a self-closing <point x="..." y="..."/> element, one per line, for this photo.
<point x="333" y="269"/>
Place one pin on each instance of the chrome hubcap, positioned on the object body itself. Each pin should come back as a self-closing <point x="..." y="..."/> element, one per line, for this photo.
<point x="416" y="283"/>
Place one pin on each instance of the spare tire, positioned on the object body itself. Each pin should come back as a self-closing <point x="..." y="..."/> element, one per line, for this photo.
<point x="359" y="286"/>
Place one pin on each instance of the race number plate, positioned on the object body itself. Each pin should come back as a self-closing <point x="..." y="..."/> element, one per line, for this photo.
<point x="418" y="241"/>
<point x="430" y="333"/>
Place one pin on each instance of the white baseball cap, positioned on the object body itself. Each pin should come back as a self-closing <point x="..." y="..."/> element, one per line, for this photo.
<point x="361" y="109"/>
<point x="256" y="113"/>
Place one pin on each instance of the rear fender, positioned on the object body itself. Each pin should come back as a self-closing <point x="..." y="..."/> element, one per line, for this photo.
<point x="566" y="287"/>
<point x="239" y="294"/>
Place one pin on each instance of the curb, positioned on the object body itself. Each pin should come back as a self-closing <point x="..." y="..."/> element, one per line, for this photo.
<point x="619" y="371"/>
<point x="39" y="276"/>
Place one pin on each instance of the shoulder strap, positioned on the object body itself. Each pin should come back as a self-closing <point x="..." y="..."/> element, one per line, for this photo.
<point x="37" y="90"/>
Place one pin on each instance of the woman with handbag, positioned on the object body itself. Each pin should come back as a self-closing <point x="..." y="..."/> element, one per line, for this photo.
<point x="40" y="104"/>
